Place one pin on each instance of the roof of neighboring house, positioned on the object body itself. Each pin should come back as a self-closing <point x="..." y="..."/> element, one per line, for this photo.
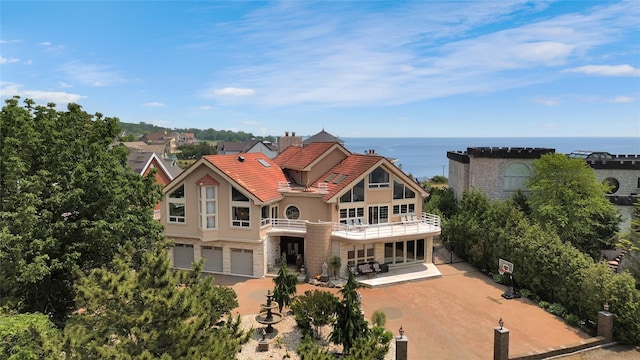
<point x="299" y="158"/>
<point x="322" y="136"/>
<point x="161" y="135"/>
<point x="241" y="146"/>
<point x="346" y="172"/>
<point x="255" y="172"/>
<point x="139" y="161"/>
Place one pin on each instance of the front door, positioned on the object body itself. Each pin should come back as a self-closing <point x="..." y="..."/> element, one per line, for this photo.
<point x="293" y="248"/>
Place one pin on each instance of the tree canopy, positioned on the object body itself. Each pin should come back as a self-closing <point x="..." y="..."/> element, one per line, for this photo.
<point x="68" y="202"/>
<point x="152" y="312"/>
<point x="284" y="285"/>
<point x="566" y="197"/>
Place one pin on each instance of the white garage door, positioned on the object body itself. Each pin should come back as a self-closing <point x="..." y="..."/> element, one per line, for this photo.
<point x="182" y="256"/>
<point x="212" y="258"/>
<point x="242" y="261"/>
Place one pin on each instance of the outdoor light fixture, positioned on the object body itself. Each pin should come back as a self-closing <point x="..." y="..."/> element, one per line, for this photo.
<point x="501" y="323"/>
<point x="401" y="331"/>
<point x="606" y="306"/>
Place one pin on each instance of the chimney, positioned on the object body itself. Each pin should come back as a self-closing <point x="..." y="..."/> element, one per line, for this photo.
<point x="293" y="133"/>
<point x="286" y="133"/>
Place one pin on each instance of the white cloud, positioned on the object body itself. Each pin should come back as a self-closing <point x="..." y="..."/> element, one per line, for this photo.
<point x="4" y="60"/>
<point x="205" y="107"/>
<point x="607" y="70"/>
<point x="339" y="55"/>
<point x="64" y="84"/>
<point x="8" y="90"/>
<point x="154" y="104"/>
<point x="234" y="91"/>
<point x="91" y="74"/>
<point x="44" y="43"/>
<point x="621" y="99"/>
<point x="548" y="101"/>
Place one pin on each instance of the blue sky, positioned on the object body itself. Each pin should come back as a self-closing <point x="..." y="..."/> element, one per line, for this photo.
<point x="354" y="68"/>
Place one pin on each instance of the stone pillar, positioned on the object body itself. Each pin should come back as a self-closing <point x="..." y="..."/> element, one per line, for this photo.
<point x="605" y="325"/>
<point x="317" y="247"/>
<point x="402" y="345"/>
<point x="500" y="343"/>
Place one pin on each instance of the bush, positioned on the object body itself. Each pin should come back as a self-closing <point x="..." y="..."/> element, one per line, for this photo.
<point x="557" y="309"/>
<point x="572" y="320"/>
<point x="378" y="318"/>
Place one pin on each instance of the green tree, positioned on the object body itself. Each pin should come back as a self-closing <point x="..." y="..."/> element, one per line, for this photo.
<point x="314" y="309"/>
<point x="566" y="197"/>
<point x="309" y="350"/>
<point x="631" y="244"/>
<point x="441" y="201"/>
<point x="28" y="337"/>
<point x="285" y="285"/>
<point x="373" y="346"/>
<point x="69" y="201"/>
<point x="152" y="313"/>
<point x="335" y="262"/>
<point x="196" y="151"/>
<point x="350" y="324"/>
<point x="379" y="318"/>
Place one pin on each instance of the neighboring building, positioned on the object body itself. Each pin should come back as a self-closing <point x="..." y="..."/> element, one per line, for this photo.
<point x="241" y="212"/>
<point x="285" y="141"/>
<point x="160" y="138"/>
<point x="185" y="138"/>
<point x="322" y="136"/>
<point x="243" y="147"/>
<point x="142" y="162"/>
<point x="499" y="172"/>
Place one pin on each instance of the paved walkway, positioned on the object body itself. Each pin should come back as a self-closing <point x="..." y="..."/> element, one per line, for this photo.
<point x="448" y="317"/>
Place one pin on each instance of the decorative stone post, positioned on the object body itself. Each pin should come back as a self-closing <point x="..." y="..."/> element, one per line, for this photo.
<point x="500" y="342"/>
<point x="605" y="324"/>
<point x="401" y="345"/>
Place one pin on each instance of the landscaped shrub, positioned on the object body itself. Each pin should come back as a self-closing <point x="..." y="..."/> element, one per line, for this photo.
<point x="557" y="309"/>
<point x="572" y="320"/>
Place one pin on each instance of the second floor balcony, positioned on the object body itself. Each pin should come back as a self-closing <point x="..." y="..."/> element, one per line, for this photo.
<point x="424" y="225"/>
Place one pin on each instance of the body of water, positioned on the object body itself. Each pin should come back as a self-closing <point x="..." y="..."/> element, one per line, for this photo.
<point x="427" y="157"/>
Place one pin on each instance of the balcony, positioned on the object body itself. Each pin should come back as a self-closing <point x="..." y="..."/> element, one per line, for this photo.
<point x="427" y="224"/>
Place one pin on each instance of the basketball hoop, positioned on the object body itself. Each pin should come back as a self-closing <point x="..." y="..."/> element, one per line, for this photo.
<point x="506" y="268"/>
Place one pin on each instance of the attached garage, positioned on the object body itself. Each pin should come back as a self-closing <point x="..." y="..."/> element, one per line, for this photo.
<point x="183" y="256"/>
<point x="242" y="262"/>
<point x="212" y="256"/>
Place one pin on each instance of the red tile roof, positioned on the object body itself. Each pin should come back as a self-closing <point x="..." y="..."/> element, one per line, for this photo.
<point x="353" y="167"/>
<point x="250" y="173"/>
<point x="298" y="158"/>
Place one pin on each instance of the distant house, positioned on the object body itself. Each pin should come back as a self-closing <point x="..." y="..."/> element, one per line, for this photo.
<point x="142" y="162"/>
<point x="163" y="138"/>
<point x="322" y="136"/>
<point x="244" y="147"/>
<point x="242" y="212"/>
<point x="499" y="172"/>
<point x="184" y="138"/>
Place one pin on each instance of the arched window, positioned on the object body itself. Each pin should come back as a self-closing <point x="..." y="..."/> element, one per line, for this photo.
<point x="516" y="176"/>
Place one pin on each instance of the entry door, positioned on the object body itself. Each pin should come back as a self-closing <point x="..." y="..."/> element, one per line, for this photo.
<point x="378" y="214"/>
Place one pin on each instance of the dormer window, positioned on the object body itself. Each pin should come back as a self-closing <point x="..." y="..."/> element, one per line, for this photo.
<point x="379" y="178"/>
<point x="176" y="204"/>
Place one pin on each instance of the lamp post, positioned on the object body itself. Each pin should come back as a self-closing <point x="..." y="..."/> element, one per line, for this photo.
<point x="501" y="323"/>
<point x="401" y="331"/>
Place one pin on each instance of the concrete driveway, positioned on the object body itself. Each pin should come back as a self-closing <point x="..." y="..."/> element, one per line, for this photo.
<point x="450" y="317"/>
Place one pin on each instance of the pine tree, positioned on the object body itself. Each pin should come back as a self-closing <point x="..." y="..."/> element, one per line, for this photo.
<point x="152" y="313"/>
<point x="285" y="285"/>
<point x="350" y="323"/>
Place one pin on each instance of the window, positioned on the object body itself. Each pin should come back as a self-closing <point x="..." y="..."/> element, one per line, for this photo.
<point x="240" y="212"/>
<point x="355" y="194"/>
<point x="378" y="214"/>
<point x="401" y="252"/>
<point x="208" y="207"/>
<point x="264" y="216"/>
<point x="400" y="191"/>
<point x="404" y="209"/>
<point x="613" y="184"/>
<point x="379" y="178"/>
<point x="360" y="253"/>
<point x="292" y="212"/>
<point x="176" y="202"/>
<point x="516" y="177"/>
<point x="351" y="213"/>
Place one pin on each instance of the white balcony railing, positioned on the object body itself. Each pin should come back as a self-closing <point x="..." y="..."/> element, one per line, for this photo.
<point x="427" y="223"/>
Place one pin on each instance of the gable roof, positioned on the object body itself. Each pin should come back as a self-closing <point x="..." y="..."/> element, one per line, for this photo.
<point x="322" y="136"/>
<point x="347" y="172"/>
<point x="254" y="172"/>
<point x="300" y="158"/>
<point x="139" y="161"/>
